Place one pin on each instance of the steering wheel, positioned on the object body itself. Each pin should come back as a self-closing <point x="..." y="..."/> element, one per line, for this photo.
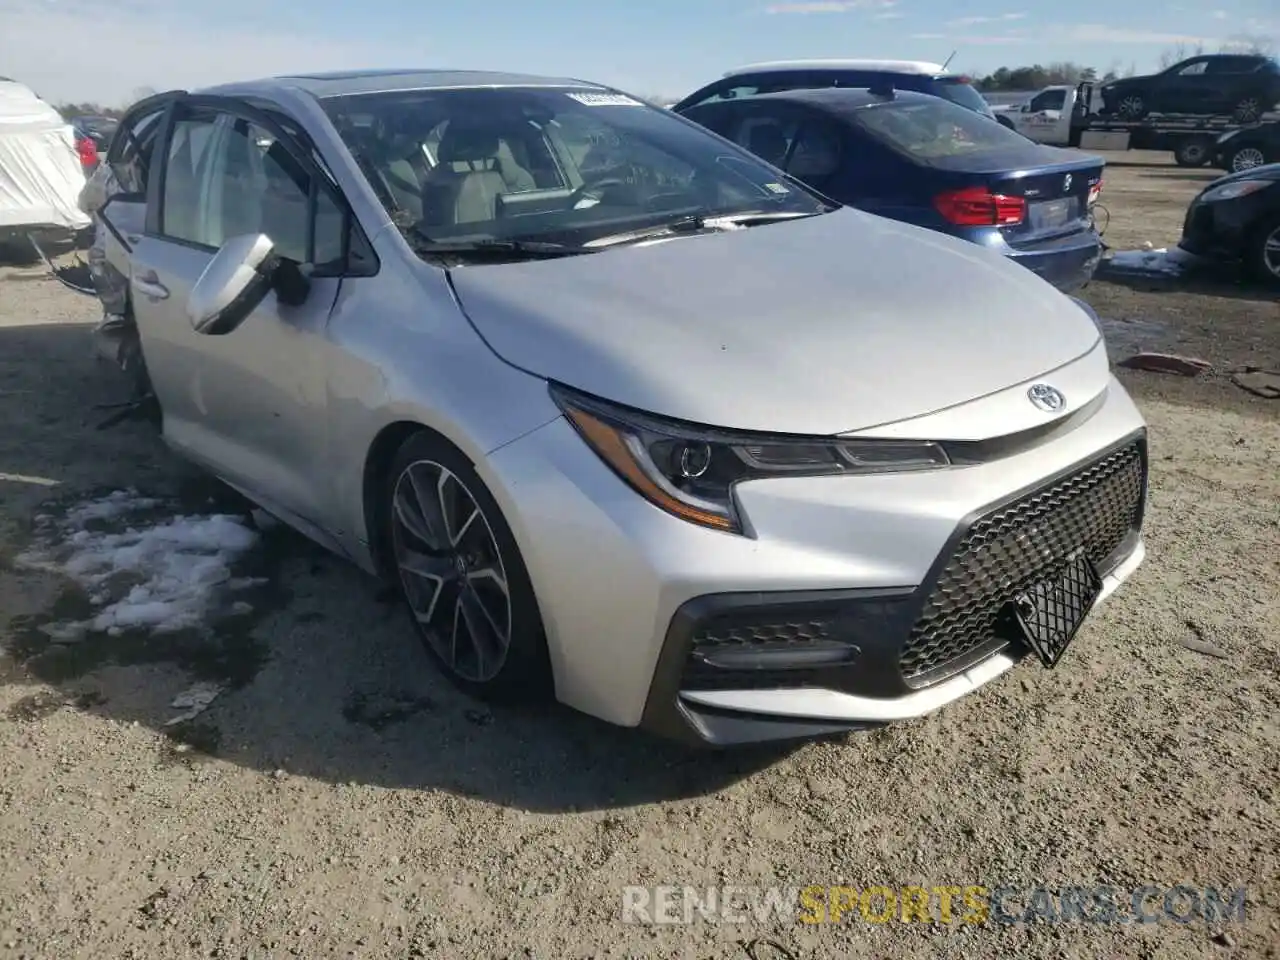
<point x="592" y="188"/>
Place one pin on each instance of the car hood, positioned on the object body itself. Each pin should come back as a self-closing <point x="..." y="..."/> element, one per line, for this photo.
<point x="824" y="325"/>
<point x="1270" y="171"/>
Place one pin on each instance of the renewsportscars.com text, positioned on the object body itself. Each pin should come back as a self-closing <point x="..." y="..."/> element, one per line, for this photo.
<point x="943" y="904"/>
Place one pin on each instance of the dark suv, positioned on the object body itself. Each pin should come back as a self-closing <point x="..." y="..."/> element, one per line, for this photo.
<point x="1244" y="86"/>
<point x="931" y="78"/>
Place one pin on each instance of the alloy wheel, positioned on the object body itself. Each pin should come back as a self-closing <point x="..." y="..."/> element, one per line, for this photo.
<point x="452" y="570"/>
<point x="1271" y="252"/>
<point x="1247" y="158"/>
<point x="1132" y="106"/>
<point x="1248" y="110"/>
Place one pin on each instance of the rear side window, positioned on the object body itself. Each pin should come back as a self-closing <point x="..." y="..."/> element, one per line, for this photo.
<point x="933" y="129"/>
<point x="816" y="153"/>
<point x="961" y="92"/>
<point x="1234" y="65"/>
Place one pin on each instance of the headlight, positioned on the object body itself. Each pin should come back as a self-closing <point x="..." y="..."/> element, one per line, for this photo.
<point x="1227" y="136"/>
<point x="690" y="471"/>
<point x="1233" y="191"/>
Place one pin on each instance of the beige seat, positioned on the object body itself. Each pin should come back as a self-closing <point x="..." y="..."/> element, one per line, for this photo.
<point x="466" y="182"/>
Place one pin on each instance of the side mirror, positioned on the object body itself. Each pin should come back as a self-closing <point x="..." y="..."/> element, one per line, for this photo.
<point x="243" y="271"/>
<point x="1026" y="108"/>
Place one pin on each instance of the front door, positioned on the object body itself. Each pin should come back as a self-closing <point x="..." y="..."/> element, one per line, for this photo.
<point x="1183" y="89"/>
<point x="1042" y="119"/>
<point x="250" y="404"/>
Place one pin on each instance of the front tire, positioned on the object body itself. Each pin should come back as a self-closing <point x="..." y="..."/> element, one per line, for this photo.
<point x="1193" y="152"/>
<point x="461" y="574"/>
<point x="1262" y="256"/>
<point x="1131" y="107"/>
<point x="1246" y="158"/>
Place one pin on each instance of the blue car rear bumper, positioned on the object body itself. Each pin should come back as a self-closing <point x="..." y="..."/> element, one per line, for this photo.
<point x="1068" y="267"/>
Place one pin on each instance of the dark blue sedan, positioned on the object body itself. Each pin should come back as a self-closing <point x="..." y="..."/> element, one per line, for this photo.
<point x="927" y="161"/>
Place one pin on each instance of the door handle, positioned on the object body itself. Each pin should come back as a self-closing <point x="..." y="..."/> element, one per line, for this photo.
<point x="149" y="286"/>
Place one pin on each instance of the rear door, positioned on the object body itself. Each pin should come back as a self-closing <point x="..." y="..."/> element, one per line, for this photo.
<point x="250" y="404"/>
<point x="1229" y="80"/>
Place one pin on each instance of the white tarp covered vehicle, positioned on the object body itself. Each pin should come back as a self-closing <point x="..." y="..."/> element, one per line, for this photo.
<point x="40" y="172"/>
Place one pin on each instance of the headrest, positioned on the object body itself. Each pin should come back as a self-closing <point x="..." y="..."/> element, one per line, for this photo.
<point x="768" y="136"/>
<point x="468" y="144"/>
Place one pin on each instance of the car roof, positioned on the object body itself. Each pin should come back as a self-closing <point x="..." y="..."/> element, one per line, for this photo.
<point x="839" y="98"/>
<point x="346" y="83"/>
<point x="920" y="67"/>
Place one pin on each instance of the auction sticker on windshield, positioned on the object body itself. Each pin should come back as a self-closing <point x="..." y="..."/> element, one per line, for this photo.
<point x="605" y="100"/>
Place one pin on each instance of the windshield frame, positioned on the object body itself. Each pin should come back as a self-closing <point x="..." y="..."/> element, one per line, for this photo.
<point x="725" y="168"/>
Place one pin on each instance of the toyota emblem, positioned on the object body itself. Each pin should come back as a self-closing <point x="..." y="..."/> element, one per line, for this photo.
<point x="1066" y="183"/>
<point x="1046" y="398"/>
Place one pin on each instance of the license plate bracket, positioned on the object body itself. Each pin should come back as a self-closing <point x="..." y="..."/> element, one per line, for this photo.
<point x="1053" y="213"/>
<point x="1050" y="613"/>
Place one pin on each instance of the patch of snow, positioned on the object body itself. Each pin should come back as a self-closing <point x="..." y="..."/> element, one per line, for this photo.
<point x="193" y="702"/>
<point x="141" y="567"/>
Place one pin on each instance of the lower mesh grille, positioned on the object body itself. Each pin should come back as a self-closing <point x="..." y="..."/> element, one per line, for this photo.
<point x="1017" y="545"/>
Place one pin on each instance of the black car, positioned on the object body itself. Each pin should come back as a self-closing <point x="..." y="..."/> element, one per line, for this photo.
<point x="1244" y="86"/>
<point x="1248" y="148"/>
<point x="1237" y="218"/>
<point x="923" y="160"/>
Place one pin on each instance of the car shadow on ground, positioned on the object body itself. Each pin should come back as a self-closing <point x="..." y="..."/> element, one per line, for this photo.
<point x="320" y="675"/>
<point x="1182" y="175"/>
<point x="1222" y="280"/>
<point x="1165" y="165"/>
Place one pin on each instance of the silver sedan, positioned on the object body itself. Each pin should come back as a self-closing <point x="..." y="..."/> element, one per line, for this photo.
<point x="631" y="418"/>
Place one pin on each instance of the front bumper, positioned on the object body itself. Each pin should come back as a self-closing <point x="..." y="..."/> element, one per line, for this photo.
<point x="1218" y="230"/>
<point x="628" y="593"/>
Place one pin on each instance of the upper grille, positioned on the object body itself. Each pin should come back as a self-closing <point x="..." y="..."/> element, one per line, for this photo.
<point x="1019" y="544"/>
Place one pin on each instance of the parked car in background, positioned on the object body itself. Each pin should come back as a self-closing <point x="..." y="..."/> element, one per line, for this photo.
<point x="927" y="161"/>
<point x="774" y="77"/>
<point x="1246" y="149"/>
<point x="1070" y="115"/>
<point x="41" y="172"/>
<point x="88" y="145"/>
<point x="99" y="129"/>
<point x="628" y="417"/>
<point x="1237" y="218"/>
<point x="1243" y="86"/>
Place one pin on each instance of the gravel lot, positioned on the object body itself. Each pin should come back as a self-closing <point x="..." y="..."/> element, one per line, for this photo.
<point x="338" y="800"/>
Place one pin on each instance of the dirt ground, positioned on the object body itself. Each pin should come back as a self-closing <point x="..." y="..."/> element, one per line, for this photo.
<point x="337" y="799"/>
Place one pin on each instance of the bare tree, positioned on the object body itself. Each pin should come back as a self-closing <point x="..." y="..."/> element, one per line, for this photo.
<point x="1178" y="53"/>
<point x="141" y="93"/>
<point x="1250" y="46"/>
